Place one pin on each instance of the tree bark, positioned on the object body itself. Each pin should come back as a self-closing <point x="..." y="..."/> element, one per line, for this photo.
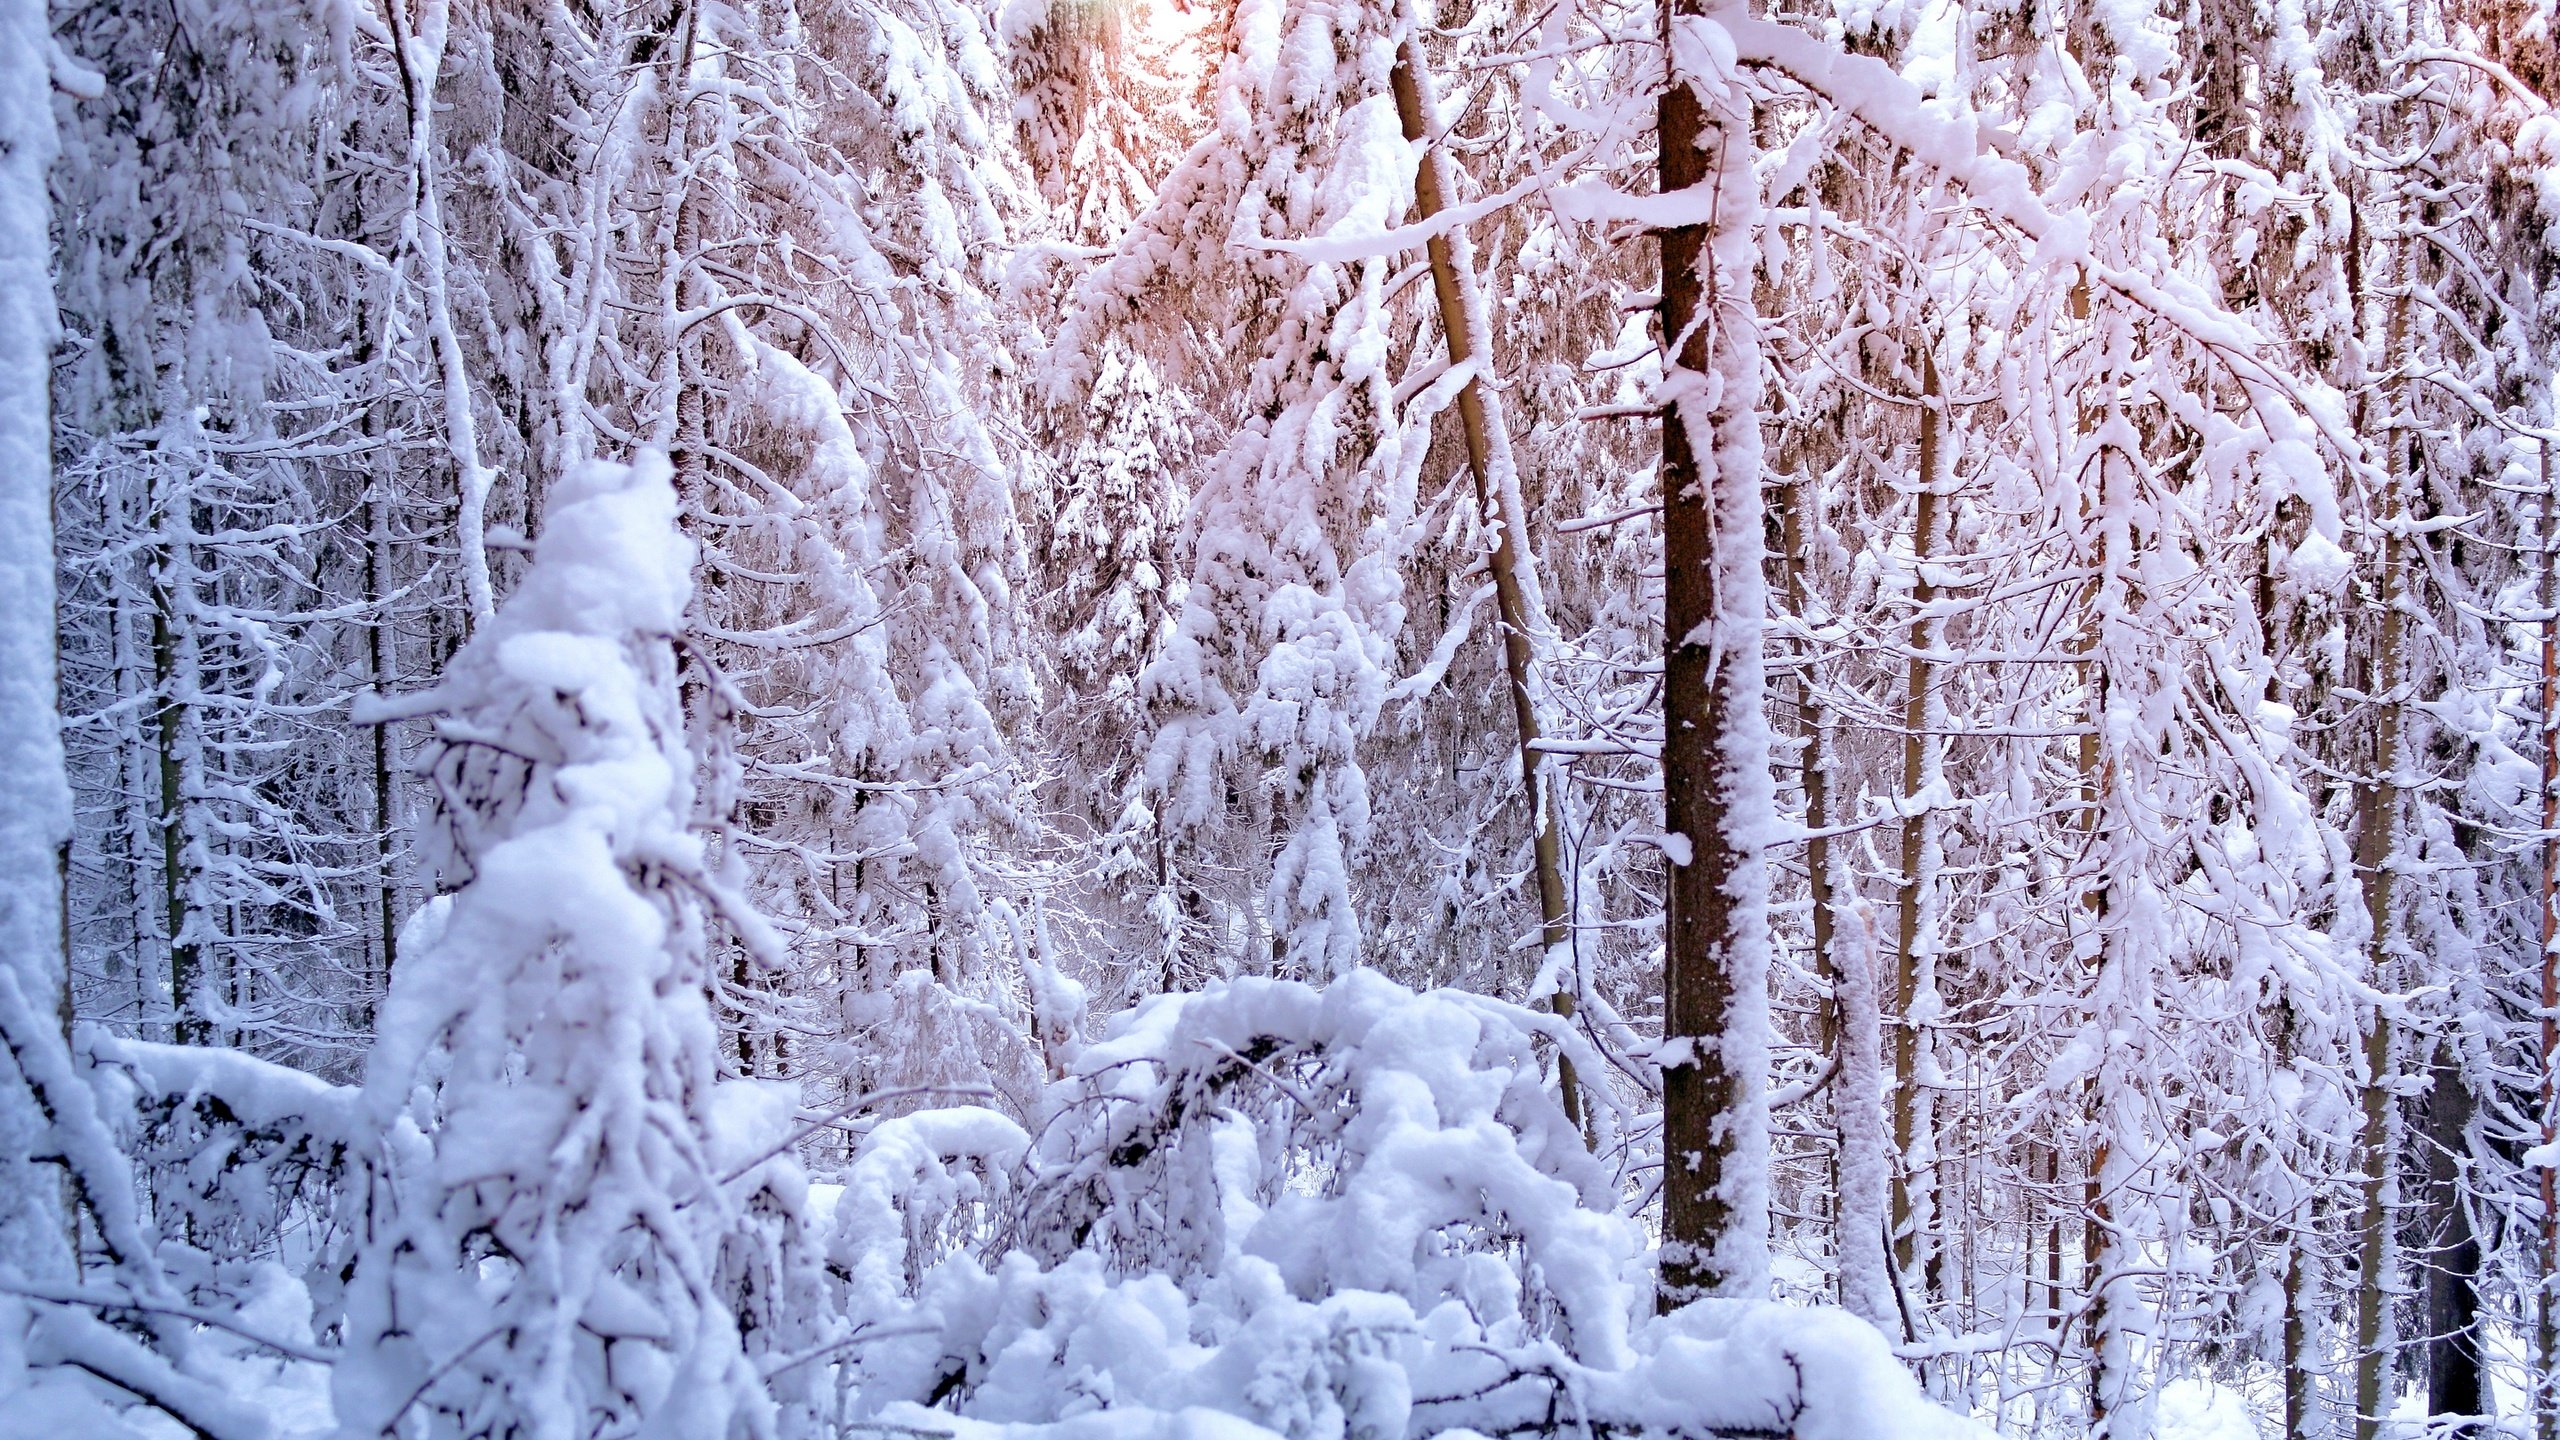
<point x="2374" y="843"/>
<point x="1813" y="719"/>
<point x="2454" y="1386"/>
<point x="1488" y="444"/>
<point x="2094" y="942"/>
<point x="2378" y="825"/>
<point x="2546" y="1308"/>
<point x="2296" y="1363"/>
<point x="418" y="44"/>
<point x="1914" y="1197"/>
<point x="1716" y="784"/>
<point x="169" y="727"/>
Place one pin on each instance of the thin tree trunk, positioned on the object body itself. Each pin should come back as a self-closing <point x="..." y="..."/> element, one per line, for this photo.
<point x="1851" y="1233"/>
<point x="136" y="835"/>
<point x="2378" y="803"/>
<point x="677" y="237"/>
<point x="381" y="656"/>
<point x="381" y="648"/>
<point x="2374" y="842"/>
<point x="2053" y="1233"/>
<point x="170" y="725"/>
<point x="1866" y="1288"/>
<point x="1813" y="764"/>
<point x="2091" y="941"/>
<point x="2454" y="1385"/>
<point x="2097" y="1236"/>
<point x="1914" y="1196"/>
<point x="419" y="51"/>
<point x="2295" y="1361"/>
<point x="1498" y="500"/>
<point x="2546" y="1307"/>
<point x="2301" y="1387"/>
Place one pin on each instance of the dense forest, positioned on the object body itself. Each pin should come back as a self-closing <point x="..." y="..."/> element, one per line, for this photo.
<point x="1279" y="719"/>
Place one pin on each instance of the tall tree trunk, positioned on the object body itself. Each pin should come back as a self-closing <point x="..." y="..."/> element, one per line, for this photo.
<point x="381" y="648"/>
<point x="2052" y="1232"/>
<point x="136" y="832"/>
<point x="39" y="1226"/>
<point x="1813" y="720"/>
<point x="1715" y="754"/>
<point x="2378" y="805"/>
<point x="418" y="44"/>
<point x="2374" y="843"/>
<point x="1855" y="1231"/>
<point x="381" y="656"/>
<point x="1866" y="1285"/>
<point x="2091" y="939"/>
<point x="2098" y="1247"/>
<point x="1914" y="1191"/>
<point x="2453" y="1272"/>
<point x="171" y="734"/>
<point x="2295" y="1361"/>
<point x="2297" y="1364"/>
<point x="1498" y="499"/>
<point x="2546" y="1306"/>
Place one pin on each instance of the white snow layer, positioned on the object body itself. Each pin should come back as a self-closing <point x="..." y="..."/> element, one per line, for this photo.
<point x="1272" y="1209"/>
<point x="544" y="1230"/>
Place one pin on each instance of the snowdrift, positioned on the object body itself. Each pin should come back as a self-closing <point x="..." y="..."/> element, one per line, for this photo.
<point x="1267" y="1208"/>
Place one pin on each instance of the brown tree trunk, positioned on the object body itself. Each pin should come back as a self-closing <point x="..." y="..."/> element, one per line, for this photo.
<point x="1913" y="1193"/>
<point x="2091" y="941"/>
<point x="1813" y="722"/>
<point x="1481" y="425"/>
<point x="2378" y="805"/>
<point x="2454" y="1385"/>
<point x="2381" y="807"/>
<point x="1714" y="746"/>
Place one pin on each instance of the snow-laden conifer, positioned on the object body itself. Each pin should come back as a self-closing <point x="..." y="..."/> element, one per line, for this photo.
<point x="542" y="1213"/>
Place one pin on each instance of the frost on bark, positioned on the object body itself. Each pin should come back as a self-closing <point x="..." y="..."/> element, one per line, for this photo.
<point x="1716" y="784"/>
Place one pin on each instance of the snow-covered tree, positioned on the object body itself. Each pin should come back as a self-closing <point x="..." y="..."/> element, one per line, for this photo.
<point x="1316" y="714"/>
<point x="544" y="1209"/>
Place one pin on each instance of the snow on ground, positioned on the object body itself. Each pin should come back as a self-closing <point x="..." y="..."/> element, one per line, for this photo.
<point x="2198" y="1409"/>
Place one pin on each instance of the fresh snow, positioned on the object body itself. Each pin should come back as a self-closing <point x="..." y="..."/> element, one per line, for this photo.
<point x="969" y="718"/>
